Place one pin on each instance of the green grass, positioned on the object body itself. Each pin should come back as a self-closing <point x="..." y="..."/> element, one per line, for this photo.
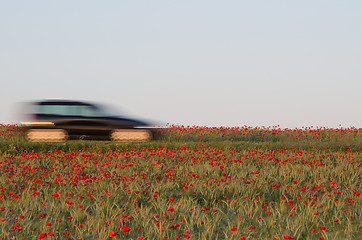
<point x="185" y="185"/>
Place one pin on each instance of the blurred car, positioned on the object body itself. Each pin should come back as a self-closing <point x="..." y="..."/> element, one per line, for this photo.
<point x="59" y="120"/>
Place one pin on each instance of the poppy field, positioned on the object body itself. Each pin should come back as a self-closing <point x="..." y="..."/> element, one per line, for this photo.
<point x="190" y="183"/>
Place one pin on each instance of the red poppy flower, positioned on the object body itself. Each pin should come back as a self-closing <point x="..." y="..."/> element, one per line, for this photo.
<point x="56" y="195"/>
<point x="126" y="229"/>
<point x="113" y="234"/>
<point x="42" y="235"/>
<point x="288" y="237"/>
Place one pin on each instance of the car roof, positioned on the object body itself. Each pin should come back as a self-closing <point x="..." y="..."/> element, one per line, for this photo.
<point x="62" y="102"/>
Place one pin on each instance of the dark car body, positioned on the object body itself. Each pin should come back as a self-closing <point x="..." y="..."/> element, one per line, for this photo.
<point x="80" y="120"/>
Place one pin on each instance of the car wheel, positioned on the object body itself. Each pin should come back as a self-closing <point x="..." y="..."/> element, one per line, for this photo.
<point x="131" y="135"/>
<point x="46" y="135"/>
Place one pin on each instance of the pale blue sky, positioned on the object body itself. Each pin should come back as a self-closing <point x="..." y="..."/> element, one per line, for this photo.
<point x="214" y="63"/>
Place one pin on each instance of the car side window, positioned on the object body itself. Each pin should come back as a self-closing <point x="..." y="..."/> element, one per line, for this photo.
<point x="52" y="109"/>
<point x="89" y="111"/>
<point x="70" y="110"/>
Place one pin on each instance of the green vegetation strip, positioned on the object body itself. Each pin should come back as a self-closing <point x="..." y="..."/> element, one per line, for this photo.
<point x="191" y="183"/>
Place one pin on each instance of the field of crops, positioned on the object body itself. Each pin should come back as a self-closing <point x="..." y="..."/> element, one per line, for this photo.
<point x="190" y="183"/>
